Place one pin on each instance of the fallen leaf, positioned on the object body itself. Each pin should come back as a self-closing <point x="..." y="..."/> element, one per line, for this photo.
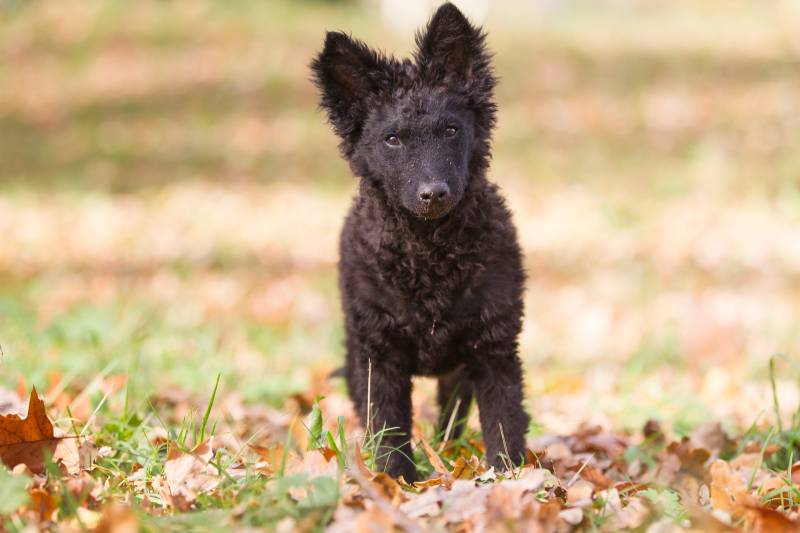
<point x="327" y="453"/>
<point x="24" y="440"/>
<point x="117" y="518"/>
<point x="703" y="521"/>
<point x="580" y="493"/>
<point x="432" y="482"/>
<point x="535" y="457"/>
<point x="463" y="500"/>
<point x="373" y="520"/>
<point x="622" y="516"/>
<point x="769" y="521"/>
<point x="10" y="402"/>
<point x="358" y="459"/>
<point x="467" y="468"/>
<point x="770" y="484"/>
<point x="42" y="503"/>
<point x="263" y="468"/>
<point x="86" y="519"/>
<point x="558" y="451"/>
<point x="67" y="455"/>
<point x="728" y="489"/>
<point x="692" y="460"/>
<point x="595" y="476"/>
<point x="713" y="438"/>
<point x="188" y="474"/>
<point x="424" y="504"/>
<point x="653" y="434"/>
<point x="386" y="486"/>
<point x="571" y="516"/>
<point x="435" y="460"/>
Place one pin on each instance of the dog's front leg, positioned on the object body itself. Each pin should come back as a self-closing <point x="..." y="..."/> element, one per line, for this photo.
<point x="497" y="380"/>
<point x="381" y="390"/>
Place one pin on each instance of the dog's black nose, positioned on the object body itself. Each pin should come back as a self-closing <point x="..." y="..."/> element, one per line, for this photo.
<point x="433" y="192"/>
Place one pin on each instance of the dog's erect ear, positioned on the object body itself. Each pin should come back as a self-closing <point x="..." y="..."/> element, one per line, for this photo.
<point x="346" y="72"/>
<point x="453" y="51"/>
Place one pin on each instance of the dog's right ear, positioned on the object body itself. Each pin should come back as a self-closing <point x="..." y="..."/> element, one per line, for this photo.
<point x="346" y="72"/>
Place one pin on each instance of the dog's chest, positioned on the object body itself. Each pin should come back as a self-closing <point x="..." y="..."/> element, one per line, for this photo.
<point x="431" y="296"/>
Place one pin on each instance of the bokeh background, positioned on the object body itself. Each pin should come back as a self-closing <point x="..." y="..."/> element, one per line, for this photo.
<point x="170" y="198"/>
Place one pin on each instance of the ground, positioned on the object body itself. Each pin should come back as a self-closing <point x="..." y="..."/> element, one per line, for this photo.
<point x="170" y="199"/>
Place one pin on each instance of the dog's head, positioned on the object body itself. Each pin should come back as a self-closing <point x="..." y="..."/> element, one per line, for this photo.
<point x="416" y="129"/>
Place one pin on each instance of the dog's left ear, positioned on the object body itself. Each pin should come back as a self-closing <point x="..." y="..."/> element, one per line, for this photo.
<point x="346" y="72"/>
<point x="453" y="51"/>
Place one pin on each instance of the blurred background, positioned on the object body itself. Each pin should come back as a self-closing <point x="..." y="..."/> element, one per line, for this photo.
<point x="170" y="197"/>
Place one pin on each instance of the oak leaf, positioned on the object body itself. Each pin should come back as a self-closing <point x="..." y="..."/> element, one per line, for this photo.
<point x="24" y="440"/>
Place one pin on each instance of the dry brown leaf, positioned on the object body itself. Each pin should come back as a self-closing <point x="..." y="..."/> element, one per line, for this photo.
<point x="263" y="468"/>
<point x="506" y="498"/>
<point x="593" y="475"/>
<point x="85" y="520"/>
<point x="713" y="438"/>
<point x="373" y="520"/>
<point x="769" y="484"/>
<point x="117" y="518"/>
<point x="622" y="516"/>
<point x="558" y="451"/>
<point x="327" y="453"/>
<point x="592" y="439"/>
<point x="572" y="516"/>
<point x="24" y="440"/>
<point x="188" y="474"/>
<point x="42" y="503"/>
<point x="467" y="468"/>
<point x="313" y="463"/>
<point x="432" y="482"/>
<point x="81" y="487"/>
<point x="630" y="488"/>
<point x="703" y="521"/>
<point x="580" y="493"/>
<point x="386" y="486"/>
<point x="692" y="460"/>
<point x="746" y="460"/>
<point x="436" y="461"/>
<point x="269" y="455"/>
<point x="769" y="521"/>
<point x="728" y="489"/>
<point x="535" y="457"/>
<point x="10" y="402"/>
<point x="426" y="503"/>
<point x="464" y="500"/>
<point x="358" y="459"/>
<point x="653" y="433"/>
<point x="67" y="455"/>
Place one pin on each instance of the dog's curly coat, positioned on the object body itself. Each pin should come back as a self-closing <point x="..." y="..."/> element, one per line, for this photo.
<point x="431" y="272"/>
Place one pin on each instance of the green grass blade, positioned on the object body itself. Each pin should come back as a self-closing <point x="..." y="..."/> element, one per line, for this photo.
<point x="208" y="409"/>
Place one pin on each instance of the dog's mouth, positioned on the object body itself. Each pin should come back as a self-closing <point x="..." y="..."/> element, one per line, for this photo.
<point x="433" y="211"/>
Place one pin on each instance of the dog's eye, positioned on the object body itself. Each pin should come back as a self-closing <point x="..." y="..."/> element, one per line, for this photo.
<point x="392" y="140"/>
<point x="450" y="131"/>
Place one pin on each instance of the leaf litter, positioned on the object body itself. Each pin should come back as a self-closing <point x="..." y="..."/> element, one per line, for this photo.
<point x="590" y="479"/>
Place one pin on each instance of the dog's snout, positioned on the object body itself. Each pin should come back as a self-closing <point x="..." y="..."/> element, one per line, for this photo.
<point x="433" y="192"/>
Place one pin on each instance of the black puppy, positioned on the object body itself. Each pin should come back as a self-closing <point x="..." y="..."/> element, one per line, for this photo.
<point x="431" y="273"/>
